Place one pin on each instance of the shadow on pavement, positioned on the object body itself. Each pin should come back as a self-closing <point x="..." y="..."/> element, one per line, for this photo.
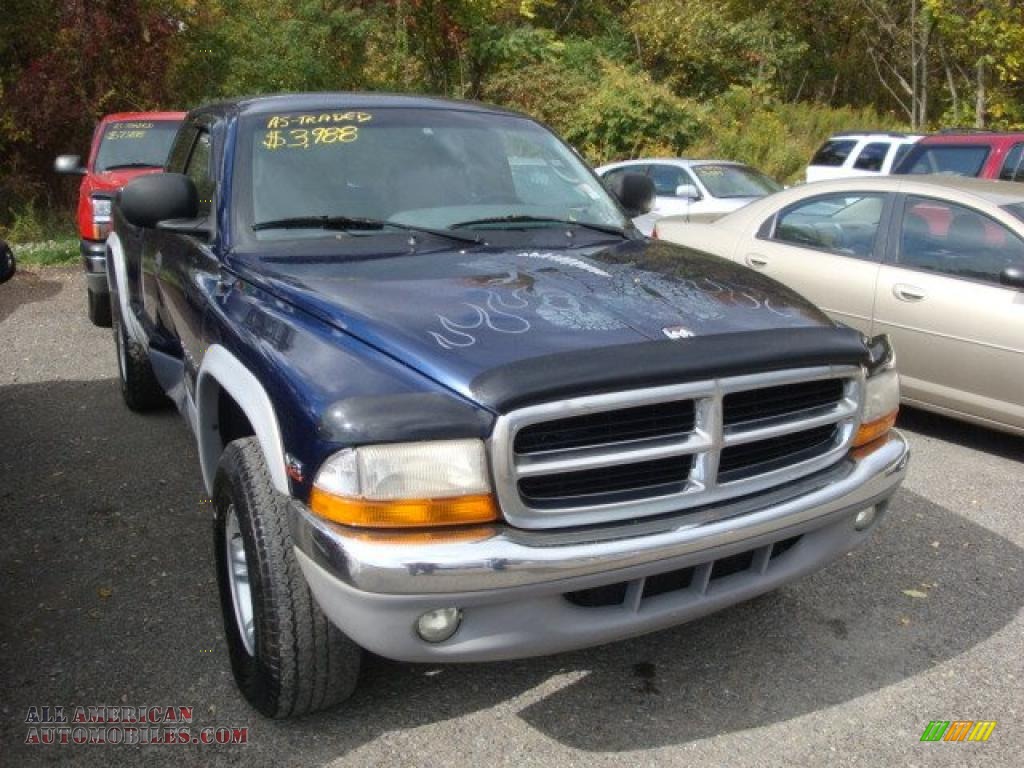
<point x="972" y="436"/>
<point x="25" y="287"/>
<point x="108" y="594"/>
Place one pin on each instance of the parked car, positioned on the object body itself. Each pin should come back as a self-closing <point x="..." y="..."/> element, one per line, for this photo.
<point x="937" y="263"/>
<point x="124" y="145"/>
<point x="984" y="154"/>
<point x="701" y="190"/>
<point x="7" y="263"/>
<point x="443" y="419"/>
<point x="870" y="153"/>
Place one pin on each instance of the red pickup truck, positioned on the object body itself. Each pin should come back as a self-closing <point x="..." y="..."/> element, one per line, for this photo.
<point x="124" y="145"/>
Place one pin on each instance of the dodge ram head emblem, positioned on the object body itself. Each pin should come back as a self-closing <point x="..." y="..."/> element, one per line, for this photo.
<point x="677" y="332"/>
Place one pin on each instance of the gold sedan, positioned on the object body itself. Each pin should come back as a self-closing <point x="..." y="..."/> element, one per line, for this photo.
<point x="935" y="262"/>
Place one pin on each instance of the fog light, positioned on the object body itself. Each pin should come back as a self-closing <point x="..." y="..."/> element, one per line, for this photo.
<point x="864" y="519"/>
<point x="438" y="625"/>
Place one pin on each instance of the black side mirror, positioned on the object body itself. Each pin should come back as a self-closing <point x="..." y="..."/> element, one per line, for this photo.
<point x="634" y="191"/>
<point x="69" y="165"/>
<point x="1012" y="277"/>
<point x="148" y="200"/>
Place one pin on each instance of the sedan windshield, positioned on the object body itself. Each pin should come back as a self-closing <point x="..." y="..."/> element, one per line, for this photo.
<point x="735" y="181"/>
<point x="431" y="169"/>
<point x="135" y="144"/>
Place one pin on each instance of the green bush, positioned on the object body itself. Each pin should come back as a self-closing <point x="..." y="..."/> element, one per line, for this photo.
<point x="777" y="137"/>
<point x="41" y="236"/>
<point x="31" y="223"/>
<point x="606" y="110"/>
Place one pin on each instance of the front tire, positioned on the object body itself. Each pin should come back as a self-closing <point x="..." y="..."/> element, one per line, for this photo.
<point x="139" y="387"/>
<point x="287" y="658"/>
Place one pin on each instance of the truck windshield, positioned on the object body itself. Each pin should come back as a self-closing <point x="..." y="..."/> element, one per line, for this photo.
<point x="135" y="144"/>
<point x="428" y="168"/>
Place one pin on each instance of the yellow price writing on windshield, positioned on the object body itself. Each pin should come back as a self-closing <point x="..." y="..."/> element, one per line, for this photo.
<point x="304" y="138"/>
<point x="293" y="121"/>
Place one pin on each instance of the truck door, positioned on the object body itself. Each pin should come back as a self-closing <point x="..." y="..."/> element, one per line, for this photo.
<point x="187" y="260"/>
<point x="147" y="299"/>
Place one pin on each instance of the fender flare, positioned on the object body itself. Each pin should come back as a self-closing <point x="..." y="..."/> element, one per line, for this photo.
<point x="222" y="370"/>
<point x="116" y="278"/>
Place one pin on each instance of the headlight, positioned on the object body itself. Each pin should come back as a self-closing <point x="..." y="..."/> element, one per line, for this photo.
<point x="881" y="404"/>
<point x="406" y="485"/>
<point x="101" y="217"/>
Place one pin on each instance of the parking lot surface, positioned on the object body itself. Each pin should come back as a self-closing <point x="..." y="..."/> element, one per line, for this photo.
<point x="108" y="598"/>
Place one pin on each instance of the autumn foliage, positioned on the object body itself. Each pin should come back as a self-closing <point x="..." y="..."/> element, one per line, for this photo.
<point x="755" y="80"/>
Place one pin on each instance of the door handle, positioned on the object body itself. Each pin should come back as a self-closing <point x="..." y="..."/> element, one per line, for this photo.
<point x="757" y="262"/>
<point x="905" y="292"/>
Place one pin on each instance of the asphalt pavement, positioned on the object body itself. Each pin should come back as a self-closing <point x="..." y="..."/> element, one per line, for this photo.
<point x="108" y="598"/>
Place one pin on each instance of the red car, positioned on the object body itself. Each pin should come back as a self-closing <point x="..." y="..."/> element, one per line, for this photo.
<point x="124" y="145"/>
<point x="984" y="154"/>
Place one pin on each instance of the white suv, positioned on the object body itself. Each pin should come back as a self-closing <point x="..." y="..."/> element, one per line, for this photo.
<point x="859" y="154"/>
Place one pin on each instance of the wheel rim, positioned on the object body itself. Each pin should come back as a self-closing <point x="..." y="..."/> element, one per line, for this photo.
<point x="238" y="578"/>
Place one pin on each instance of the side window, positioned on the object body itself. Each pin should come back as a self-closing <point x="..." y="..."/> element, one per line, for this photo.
<point x="845" y="224"/>
<point x="666" y="178"/>
<point x="198" y="169"/>
<point x="939" y="236"/>
<point x="872" y="156"/>
<point x="1013" y="169"/>
<point x="179" y="150"/>
<point x="833" y="152"/>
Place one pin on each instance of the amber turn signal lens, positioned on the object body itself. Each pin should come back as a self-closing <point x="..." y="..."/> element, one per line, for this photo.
<point x="404" y="513"/>
<point x="873" y="430"/>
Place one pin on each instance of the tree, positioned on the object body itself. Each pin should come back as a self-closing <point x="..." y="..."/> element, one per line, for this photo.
<point x="898" y="42"/>
<point x="983" y="53"/>
<point x="701" y="47"/>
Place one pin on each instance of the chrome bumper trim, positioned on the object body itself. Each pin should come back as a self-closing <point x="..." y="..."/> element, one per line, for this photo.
<point x="513" y="558"/>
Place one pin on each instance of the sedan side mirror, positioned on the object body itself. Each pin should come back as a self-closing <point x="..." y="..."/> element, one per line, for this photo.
<point x="1012" y="277"/>
<point x="148" y="200"/>
<point x="688" y="192"/>
<point x="634" y="191"/>
<point x="69" y="165"/>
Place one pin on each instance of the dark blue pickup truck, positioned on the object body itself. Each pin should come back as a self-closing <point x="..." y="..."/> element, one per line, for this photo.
<point x="451" y="406"/>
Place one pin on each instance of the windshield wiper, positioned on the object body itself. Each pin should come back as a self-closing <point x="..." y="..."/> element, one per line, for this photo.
<point x="356" y="223"/>
<point x="119" y="166"/>
<point x="607" y="229"/>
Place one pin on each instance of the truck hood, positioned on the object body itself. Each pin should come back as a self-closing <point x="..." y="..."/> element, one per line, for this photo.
<point x="456" y="314"/>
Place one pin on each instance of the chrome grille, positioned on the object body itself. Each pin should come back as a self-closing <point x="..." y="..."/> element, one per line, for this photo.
<point x="631" y="454"/>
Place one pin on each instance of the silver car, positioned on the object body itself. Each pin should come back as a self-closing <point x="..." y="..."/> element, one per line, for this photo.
<point x="698" y="190"/>
<point x="935" y="262"/>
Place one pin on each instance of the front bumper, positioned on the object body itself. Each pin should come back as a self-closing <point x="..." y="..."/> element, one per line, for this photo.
<point x="94" y="262"/>
<point x="512" y="585"/>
